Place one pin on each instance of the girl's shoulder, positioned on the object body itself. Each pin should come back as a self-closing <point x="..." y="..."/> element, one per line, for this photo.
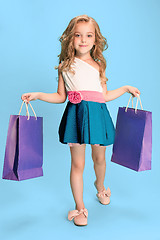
<point x="60" y="66"/>
<point x="96" y="65"/>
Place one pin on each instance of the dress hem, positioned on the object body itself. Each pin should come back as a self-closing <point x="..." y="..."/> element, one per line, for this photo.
<point x="99" y="144"/>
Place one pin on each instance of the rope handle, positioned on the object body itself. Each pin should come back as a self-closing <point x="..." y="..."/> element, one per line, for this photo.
<point x="27" y="111"/>
<point x="138" y="98"/>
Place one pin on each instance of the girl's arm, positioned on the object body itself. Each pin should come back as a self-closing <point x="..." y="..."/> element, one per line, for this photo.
<point x="57" y="97"/>
<point x="113" y="94"/>
<point x="50" y="97"/>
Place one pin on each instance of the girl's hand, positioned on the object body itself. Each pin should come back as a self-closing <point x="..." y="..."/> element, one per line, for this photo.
<point x="133" y="90"/>
<point x="29" y="96"/>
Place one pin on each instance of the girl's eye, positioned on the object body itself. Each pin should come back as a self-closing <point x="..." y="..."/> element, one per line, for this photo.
<point x="77" y="35"/>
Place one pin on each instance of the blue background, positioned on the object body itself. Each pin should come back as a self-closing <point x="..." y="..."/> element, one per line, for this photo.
<point x="38" y="208"/>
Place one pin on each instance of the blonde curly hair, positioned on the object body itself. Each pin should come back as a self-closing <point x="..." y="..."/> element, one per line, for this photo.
<point x="68" y="52"/>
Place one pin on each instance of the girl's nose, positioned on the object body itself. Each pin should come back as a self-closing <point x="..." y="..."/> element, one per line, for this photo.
<point x="83" y="39"/>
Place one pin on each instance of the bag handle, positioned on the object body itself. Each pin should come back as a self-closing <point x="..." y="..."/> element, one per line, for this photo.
<point x="27" y="112"/>
<point x="138" y="98"/>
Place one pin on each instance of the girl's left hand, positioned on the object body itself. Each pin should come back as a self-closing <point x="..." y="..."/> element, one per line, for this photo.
<point x="133" y="90"/>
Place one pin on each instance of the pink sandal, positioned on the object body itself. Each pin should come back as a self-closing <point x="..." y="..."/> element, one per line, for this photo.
<point x="103" y="195"/>
<point x="80" y="216"/>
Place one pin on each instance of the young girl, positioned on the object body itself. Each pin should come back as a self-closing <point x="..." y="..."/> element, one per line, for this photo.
<point x="86" y="119"/>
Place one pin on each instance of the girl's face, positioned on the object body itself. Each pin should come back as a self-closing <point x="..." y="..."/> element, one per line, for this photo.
<point x="84" y="38"/>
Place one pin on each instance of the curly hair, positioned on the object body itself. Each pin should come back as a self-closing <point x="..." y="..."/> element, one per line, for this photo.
<point x="67" y="47"/>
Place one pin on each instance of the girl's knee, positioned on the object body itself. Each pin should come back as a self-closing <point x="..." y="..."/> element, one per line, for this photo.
<point x="99" y="160"/>
<point x="98" y="154"/>
<point x="78" y="157"/>
<point x="78" y="165"/>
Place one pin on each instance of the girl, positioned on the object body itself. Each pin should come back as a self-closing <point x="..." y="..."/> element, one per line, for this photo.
<point x="86" y="119"/>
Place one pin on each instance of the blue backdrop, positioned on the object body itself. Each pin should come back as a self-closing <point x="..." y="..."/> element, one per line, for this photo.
<point x="38" y="208"/>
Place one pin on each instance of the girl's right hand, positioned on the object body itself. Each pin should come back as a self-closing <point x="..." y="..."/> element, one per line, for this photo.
<point x="29" y="96"/>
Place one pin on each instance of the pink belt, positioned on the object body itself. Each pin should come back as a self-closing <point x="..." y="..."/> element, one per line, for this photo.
<point x="77" y="96"/>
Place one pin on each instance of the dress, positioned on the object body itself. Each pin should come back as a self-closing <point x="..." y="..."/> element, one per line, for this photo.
<point x="86" y="119"/>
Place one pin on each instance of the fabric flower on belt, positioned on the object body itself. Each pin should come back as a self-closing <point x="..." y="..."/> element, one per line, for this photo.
<point x="74" y="97"/>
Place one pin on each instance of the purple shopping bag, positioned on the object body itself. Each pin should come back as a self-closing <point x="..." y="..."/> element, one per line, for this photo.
<point x="132" y="147"/>
<point x="24" y="147"/>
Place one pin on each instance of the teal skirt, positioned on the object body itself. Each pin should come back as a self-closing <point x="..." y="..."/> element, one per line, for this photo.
<point x="86" y="122"/>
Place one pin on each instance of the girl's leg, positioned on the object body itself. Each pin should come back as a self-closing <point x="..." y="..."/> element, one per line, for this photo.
<point x="98" y="156"/>
<point x="76" y="174"/>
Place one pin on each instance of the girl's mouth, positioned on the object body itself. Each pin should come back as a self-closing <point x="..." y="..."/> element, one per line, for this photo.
<point x="83" y="45"/>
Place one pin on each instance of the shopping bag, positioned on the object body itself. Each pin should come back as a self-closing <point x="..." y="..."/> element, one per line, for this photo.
<point x="24" y="147"/>
<point x="132" y="146"/>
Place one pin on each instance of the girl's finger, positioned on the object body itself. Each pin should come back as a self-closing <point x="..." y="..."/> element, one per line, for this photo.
<point x="138" y="91"/>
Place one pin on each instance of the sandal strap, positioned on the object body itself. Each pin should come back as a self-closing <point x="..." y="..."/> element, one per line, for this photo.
<point x="74" y="213"/>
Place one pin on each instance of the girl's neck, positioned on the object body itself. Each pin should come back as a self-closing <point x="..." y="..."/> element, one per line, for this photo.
<point x="84" y="58"/>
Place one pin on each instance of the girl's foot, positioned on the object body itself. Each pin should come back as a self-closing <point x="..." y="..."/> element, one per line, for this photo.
<point x="103" y="195"/>
<point x="79" y="216"/>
